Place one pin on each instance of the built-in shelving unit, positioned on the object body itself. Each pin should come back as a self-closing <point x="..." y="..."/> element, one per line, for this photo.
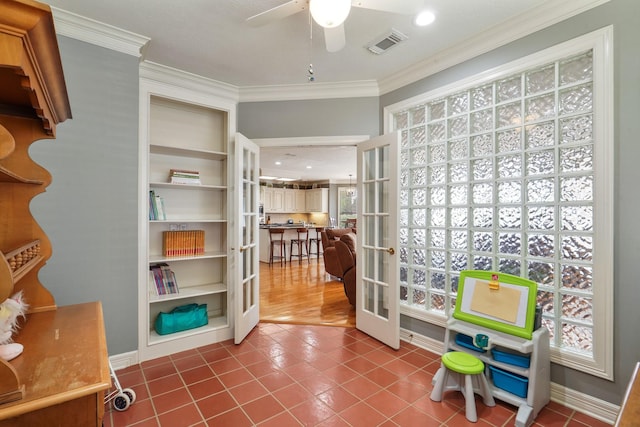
<point x="182" y="130"/>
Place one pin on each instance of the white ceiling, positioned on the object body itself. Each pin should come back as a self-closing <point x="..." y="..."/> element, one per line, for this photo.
<point x="210" y="38"/>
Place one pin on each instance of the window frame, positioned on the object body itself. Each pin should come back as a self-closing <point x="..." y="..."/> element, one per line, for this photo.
<point x="601" y="43"/>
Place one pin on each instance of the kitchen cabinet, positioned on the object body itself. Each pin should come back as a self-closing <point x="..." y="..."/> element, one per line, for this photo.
<point x="317" y="200"/>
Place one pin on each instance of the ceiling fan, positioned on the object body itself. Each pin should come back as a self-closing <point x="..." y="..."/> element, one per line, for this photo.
<point x="331" y="14"/>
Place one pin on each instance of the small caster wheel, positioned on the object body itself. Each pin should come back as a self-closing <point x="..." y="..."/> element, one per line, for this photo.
<point x="132" y="395"/>
<point x="121" y="402"/>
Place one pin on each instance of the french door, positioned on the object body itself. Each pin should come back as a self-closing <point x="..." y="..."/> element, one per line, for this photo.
<point x="246" y="298"/>
<point x="378" y="273"/>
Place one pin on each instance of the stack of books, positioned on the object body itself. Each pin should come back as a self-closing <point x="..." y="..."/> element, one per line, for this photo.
<point x="164" y="279"/>
<point x="156" y="207"/>
<point x="183" y="243"/>
<point x="179" y="176"/>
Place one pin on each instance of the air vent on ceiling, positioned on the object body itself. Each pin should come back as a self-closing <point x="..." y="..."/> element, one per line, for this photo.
<point x="386" y="42"/>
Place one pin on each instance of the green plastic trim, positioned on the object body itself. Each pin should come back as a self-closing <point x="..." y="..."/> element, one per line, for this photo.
<point x="523" y="332"/>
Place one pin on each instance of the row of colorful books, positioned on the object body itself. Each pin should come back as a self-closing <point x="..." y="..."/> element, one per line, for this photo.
<point x="164" y="279"/>
<point x="156" y="207"/>
<point x="183" y="243"/>
<point x="179" y="176"/>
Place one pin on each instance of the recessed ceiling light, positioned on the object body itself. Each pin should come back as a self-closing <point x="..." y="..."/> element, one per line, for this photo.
<point x="424" y="18"/>
<point x="278" y="163"/>
<point x="308" y="167"/>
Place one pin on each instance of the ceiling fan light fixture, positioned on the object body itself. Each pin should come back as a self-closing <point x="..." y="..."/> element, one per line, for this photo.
<point x="329" y="13"/>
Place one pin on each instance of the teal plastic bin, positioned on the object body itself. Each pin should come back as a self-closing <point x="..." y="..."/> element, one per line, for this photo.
<point x="510" y="382"/>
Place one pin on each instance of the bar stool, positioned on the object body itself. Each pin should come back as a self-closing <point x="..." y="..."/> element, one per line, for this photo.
<point x="464" y="372"/>
<point x="277" y="242"/>
<point x="316" y="241"/>
<point x="302" y="242"/>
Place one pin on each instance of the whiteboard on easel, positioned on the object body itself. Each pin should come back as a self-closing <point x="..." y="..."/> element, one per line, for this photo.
<point x="497" y="301"/>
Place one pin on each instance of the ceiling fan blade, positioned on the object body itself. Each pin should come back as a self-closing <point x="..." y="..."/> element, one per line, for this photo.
<point x="403" y="7"/>
<point x="287" y="9"/>
<point x="334" y="38"/>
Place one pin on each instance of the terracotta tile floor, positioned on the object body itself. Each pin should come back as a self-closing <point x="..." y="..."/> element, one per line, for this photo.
<point x="294" y="375"/>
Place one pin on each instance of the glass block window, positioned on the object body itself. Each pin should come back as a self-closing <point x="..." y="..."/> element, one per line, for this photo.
<point x="500" y="176"/>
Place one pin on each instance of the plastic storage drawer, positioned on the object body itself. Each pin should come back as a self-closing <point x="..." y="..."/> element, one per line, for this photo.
<point x="511" y="358"/>
<point x="467" y="342"/>
<point x="512" y="383"/>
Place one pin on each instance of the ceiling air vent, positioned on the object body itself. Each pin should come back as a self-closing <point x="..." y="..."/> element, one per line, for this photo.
<point x="386" y="42"/>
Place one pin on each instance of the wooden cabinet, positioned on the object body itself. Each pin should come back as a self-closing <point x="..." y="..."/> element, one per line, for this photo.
<point x="317" y="200"/>
<point x="63" y="372"/>
<point x="185" y="133"/>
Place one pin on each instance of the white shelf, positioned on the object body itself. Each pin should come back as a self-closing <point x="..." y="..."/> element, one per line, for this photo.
<point x="186" y="152"/>
<point x="214" y="323"/>
<point x="189" y="220"/>
<point x="155" y="258"/>
<point x="190" y="292"/>
<point x="188" y="186"/>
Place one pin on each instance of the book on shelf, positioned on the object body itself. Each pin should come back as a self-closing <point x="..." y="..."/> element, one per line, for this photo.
<point x="164" y="279"/>
<point x="182" y="243"/>
<point x="179" y="176"/>
<point x="156" y="207"/>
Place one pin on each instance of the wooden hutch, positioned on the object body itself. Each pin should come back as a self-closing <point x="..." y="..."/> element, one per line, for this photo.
<point x="63" y="373"/>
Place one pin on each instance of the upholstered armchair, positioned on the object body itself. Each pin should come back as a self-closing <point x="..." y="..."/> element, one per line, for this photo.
<point x="329" y="237"/>
<point x="346" y="251"/>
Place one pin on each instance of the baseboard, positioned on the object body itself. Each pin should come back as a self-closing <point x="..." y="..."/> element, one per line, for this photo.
<point x="581" y="402"/>
<point x="124" y="360"/>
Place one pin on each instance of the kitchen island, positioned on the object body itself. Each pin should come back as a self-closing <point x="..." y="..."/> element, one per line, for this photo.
<point x="289" y="233"/>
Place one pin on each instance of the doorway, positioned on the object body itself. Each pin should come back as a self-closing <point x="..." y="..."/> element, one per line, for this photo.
<point x="303" y="292"/>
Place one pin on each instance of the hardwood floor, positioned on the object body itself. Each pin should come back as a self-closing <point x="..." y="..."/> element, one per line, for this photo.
<point x="302" y="293"/>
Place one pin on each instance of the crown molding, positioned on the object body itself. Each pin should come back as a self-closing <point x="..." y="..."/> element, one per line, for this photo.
<point x="520" y="26"/>
<point x="551" y="12"/>
<point x="88" y="30"/>
<point x="315" y="90"/>
<point x="174" y="77"/>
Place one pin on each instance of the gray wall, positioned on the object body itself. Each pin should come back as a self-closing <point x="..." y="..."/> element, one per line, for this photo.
<point x="322" y="117"/>
<point x="90" y="209"/>
<point x="623" y="14"/>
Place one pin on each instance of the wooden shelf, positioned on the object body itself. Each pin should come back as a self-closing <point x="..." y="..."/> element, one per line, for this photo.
<point x="23" y="259"/>
<point x="8" y="176"/>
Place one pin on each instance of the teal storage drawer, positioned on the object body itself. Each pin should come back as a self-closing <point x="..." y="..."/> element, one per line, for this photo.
<point x="512" y="358"/>
<point x="467" y="342"/>
<point x="507" y="381"/>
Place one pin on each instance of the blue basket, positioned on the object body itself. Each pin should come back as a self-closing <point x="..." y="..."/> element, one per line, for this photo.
<point x="511" y="358"/>
<point x="512" y="383"/>
<point x="467" y="342"/>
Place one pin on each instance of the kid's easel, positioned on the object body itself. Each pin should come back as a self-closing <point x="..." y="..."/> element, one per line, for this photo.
<point x="497" y="312"/>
